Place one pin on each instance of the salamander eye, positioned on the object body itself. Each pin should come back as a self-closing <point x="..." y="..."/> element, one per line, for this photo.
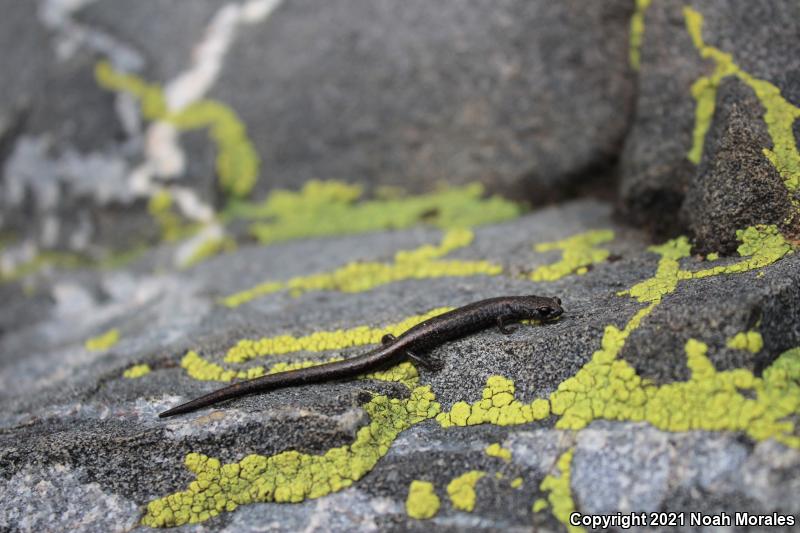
<point x="545" y="310"/>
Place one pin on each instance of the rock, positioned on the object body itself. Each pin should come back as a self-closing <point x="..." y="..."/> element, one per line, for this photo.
<point x="523" y="96"/>
<point x="535" y="100"/>
<point x="23" y="55"/>
<point x="627" y="469"/>
<point x="162" y="33"/>
<point x="718" y="88"/>
<point x="529" y="98"/>
<point x="654" y="169"/>
<point x="666" y="379"/>
<point x="71" y="149"/>
<point x="62" y="160"/>
<point x="170" y="224"/>
<point x="735" y="184"/>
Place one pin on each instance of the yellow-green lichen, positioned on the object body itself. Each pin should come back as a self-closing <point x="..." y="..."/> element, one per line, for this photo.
<point x="609" y="388"/>
<point x="69" y="260"/>
<point x="746" y="340"/>
<point x="761" y="246"/>
<point x="779" y="115"/>
<point x="713" y="256"/>
<point x="498" y="407"/>
<point x="323" y="208"/>
<point x="319" y="341"/>
<point x="605" y="387"/>
<point x="209" y="248"/>
<point x="422" y="502"/>
<point x="496" y="450"/>
<point x="666" y="278"/>
<point x="42" y="260"/>
<point x="290" y="476"/>
<point x="203" y="370"/>
<point x="136" y="371"/>
<point x="637" y="33"/>
<point x="405" y="373"/>
<point x="421" y="263"/>
<point x="237" y="161"/>
<point x="559" y="493"/>
<point x="709" y="400"/>
<point x="540" y="505"/>
<point x="462" y="490"/>
<point x="172" y="225"/>
<point x="579" y="253"/>
<point x="103" y="341"/>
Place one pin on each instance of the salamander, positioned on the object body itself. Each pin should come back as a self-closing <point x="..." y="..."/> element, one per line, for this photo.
<point x="412" y="344"/>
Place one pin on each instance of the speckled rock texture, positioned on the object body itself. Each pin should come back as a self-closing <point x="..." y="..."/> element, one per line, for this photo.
<point x="198" y="193"/>
<point x="82" y="440"/>
<point x="718" y="174"/>
<point x="735" y="184"/>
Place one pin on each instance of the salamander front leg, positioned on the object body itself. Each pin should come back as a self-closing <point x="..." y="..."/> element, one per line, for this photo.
<point x="501" y="325"/>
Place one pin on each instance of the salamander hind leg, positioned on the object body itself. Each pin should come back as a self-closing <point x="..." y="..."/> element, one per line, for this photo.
<point x="501" y="325"/>
<point x="429" y="363"/>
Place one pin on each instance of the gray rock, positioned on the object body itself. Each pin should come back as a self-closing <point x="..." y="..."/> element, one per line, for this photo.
<point x="63" y="166"/>
<point x="524" y="96"/>
<point x="67" y="409"/>
<point x="624" y="468"/>
<point x="84" y="134"/>
<point x="653" y="166"/>
<point x="36" y="499"/>
<point x="162" y="32"/>
<point x="533" y="98"/>
<point x="620" y="470"/>
<point x="734" y="185"/>
<point x="25" y="54"/>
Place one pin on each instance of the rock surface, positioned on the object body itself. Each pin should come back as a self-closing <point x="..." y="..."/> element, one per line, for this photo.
<point x="709" y="444"/>
<point x="521" y="95"/>
<point x="534" y="99"/>
<point x="171" y="222"/>
<point x="529" y="98"/>
<point x="718" y="87"/>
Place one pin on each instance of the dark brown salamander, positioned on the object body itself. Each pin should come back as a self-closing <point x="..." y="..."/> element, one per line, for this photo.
<point x="424" y="336"/>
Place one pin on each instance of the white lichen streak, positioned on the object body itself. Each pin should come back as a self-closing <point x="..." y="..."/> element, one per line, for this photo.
<point x="165" y="158"/>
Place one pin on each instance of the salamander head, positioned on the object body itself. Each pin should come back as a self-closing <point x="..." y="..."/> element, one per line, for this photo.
<point x="539" y="307"/>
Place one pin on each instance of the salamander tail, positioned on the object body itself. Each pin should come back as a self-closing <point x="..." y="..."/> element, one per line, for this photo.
<point x="194" y="405"/>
